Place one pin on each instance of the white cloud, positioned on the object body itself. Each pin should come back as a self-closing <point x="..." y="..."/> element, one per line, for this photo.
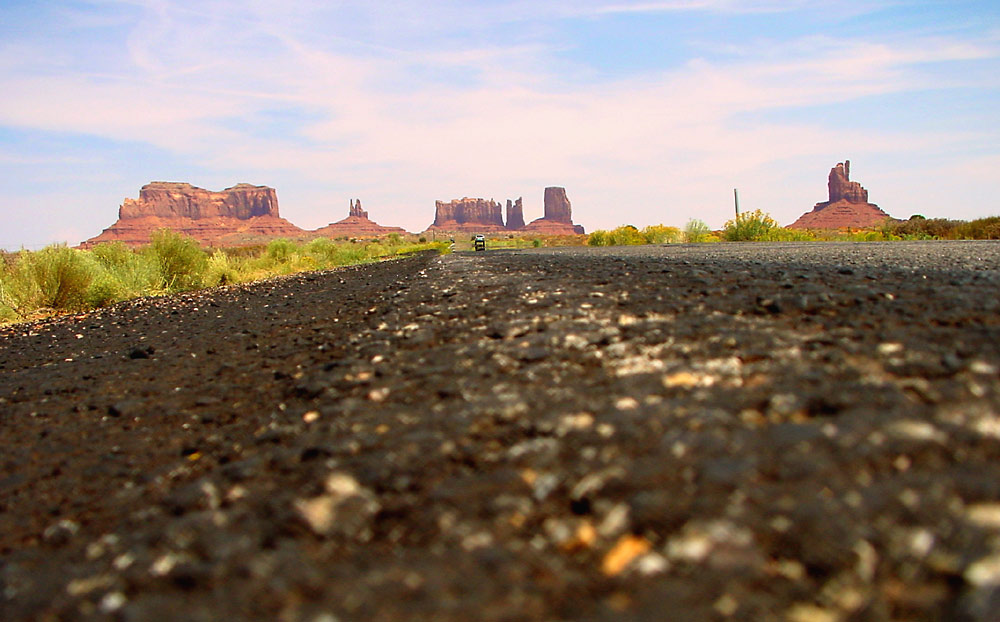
<point x="665" y="145"/>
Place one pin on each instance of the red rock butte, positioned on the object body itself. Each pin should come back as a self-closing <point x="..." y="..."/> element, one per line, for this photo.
<point x="238" y="215"/>
<point x="356" y="225"/>
<point x="847" y="207"/>
<point x="468" y="215"/>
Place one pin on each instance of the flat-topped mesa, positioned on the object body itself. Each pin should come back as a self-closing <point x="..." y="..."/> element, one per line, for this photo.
<point x="356" y="225"/>
<point x="515" y="215"/>
<point x="466" y="214"/>
<point x="182" y="200"/>
<point x="847" y="207"/>
<point x="558" y="218"/>
<point x="243" y="214"/>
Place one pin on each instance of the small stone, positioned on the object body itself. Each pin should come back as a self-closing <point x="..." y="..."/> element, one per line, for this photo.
<point x="623" y="553"/>
<point x="726" y="605"/>
<point x="615" y="522"/>
<point x="651" y="563"/>
<point x="887" y="349"/>
<point x="626" y="403"/>
<point x="683" y="379"/>
<point x="984" y="572"/>
<point x="61" y="532"/>
<point x="141" y="353"/>
<point x="80" y="587"/>
<point x="112" y="602"/>
<point x="913" y="430"/>
<point x="985" y="515"/>
<point x="811" y="613"/>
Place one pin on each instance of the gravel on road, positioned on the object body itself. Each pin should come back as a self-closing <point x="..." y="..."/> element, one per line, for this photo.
<point x="797" y="432"/>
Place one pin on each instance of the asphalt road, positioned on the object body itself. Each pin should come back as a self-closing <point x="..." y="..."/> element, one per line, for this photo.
<point x="800" y="432"/>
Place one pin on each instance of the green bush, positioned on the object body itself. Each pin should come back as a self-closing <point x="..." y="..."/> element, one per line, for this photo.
<point x="222" y="270"/>
<point x="597" y="238"/>
<point x="180" y="260"/>
<point x="661" y="234"/>
<point x="280" y="250"/>
<point x="60" y="276"/>
<point x="750" y="226"/>
<point x="112" y="254"/>
<point x="105" y="290"/>
<point x="696" y="232"/>
<point x="979" y="229"/>
<point x="626" y="235"/>
<point x="757" y="226"/>
<point x="126" y="272"/>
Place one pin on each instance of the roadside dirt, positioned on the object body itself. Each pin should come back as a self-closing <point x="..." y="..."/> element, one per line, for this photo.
<point x="802" y="432"/>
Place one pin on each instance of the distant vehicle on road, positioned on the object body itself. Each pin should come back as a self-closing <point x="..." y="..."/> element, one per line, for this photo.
<point x="480" y="242"/>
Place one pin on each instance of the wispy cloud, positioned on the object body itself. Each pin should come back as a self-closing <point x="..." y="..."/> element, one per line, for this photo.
<point x="371" y="106"/>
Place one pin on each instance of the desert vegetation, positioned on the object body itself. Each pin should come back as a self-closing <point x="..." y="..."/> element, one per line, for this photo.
<point x="629" y="235"/>
<point x="759" y="226"/>
<point x="61" y="279"/>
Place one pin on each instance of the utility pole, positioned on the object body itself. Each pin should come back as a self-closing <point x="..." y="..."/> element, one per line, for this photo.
<point x="736" y="197"/>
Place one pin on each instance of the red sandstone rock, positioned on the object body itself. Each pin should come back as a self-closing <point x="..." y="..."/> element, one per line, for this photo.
<point x="848" y="205"/>
<point x="557" y="205"/>
<point x="238" y="215"/>
<point x="356" y="225"/>
<point x="558" y="218"/>
<point x="515" y="215"/>
<point x="468" y="215"/>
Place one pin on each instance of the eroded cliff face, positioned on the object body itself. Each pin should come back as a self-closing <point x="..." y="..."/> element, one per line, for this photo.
<point x="847" y="206"/>
<point x="466" y="214"/>
<point x="182" y="200"/>
<point x="841" y="188"/>
<point x="557" y="205"/>
<point x="482" y="216"/>
<point x="243" y="214"/>
<point x="558" y="218"/>
<point x="515" y="215"/>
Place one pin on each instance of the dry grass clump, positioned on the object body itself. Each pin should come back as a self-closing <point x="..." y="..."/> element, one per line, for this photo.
<point x="59" y="279"/>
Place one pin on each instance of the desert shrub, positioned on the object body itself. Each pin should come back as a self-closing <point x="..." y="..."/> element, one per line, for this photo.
<point x="597" y="238"/>
<point x="222" y="270"/>
<point x="112" y="254"/>
<point x="626" y="235"/>
<point x="661" y="234"/>
<point x="105" y="290"/>
<point x="350" y="254"/>
<point x="123" y="270"/>
<point x="56" y="277"/>
<point x="696" y="231"/>
<point x="394" y="239"/>
<point x="18" y="294"/>
<point x="750" y="226"/>
<point x="179" y="259"/>
<point x="919" y="229"/>
<point x="536" y="243"/>
<point x="323" y="249"/>
<point x="979" y="229"/>
<point x="280" y="250"/>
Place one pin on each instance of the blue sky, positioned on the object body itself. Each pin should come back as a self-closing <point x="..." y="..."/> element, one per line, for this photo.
<point x="646" y="111"/>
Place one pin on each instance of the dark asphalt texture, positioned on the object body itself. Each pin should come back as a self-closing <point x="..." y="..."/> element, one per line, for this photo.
<point x="794" y="432"/>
